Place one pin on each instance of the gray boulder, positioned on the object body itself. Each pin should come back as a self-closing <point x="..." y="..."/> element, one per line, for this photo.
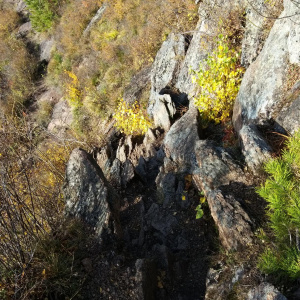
<point x="163" y="111"/>
<point x="216" y="169"/>
<point x="254" y="147"/>
<point x="180" y="141"/>
<point x="200" y="46"/>
<point x="289" y="115"/>
<point x="87" y="194"/>
<point x="166" y="66"/>
<point x="260" y="93"/>
<point x="216" y="166"/>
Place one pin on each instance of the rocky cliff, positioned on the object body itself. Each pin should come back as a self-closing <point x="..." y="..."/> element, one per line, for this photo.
<point x="139" y="194"/>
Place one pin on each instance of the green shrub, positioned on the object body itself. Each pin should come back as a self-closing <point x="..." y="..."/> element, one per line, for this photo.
<point x="282" y="192"/>
<point x="219" y="78"/>
<point x="42" y="13"/>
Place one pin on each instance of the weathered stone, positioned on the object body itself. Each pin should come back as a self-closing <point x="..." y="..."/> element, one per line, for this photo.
<point x="141" y="169"/>
<point x="166" y="66"/>
<point x="234" y="224"/>
<point x="51" y="95"/>
<point x="289" y="115"/>
<point x="261" y="89"/>
<point x="103" y="157"/>
<point x="121" y="153"/>
<point x="159" y="220"/>
<point x="167" y="185"/>
<point x="198" y="49"/>
<point x="163" y="111"/>
<point x="45" y="49"/>
<point x="180" y="141"/>
<point x="216" y="287"/>
<point x="114" y="175"/>
<point x="24" y="29"/>
<point x="61" y="119"/>
<point x="216" y="166"/>
<point x="127" y="173"/>
<point x="265" y="291"/>
<point x="254" y="35"/>
<point x="254" y="147"/>
<point x="87" y="194"/>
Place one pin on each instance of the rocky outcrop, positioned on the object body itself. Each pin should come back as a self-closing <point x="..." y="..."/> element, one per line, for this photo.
<point x="254" y="147"/>
<point x="289" y="116"/>
<point x="166" y="67"/>
<point x="180" y="140"/>
<point x="163" y="111"/>
<point x="216" y="169"/>
<point x="261" y="88"/>
<point x="87" y="194"/>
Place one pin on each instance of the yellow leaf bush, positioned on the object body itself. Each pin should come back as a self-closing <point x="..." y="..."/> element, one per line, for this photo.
<point x="74" y="94"/>
<point x="130" y="119"/>
<point x="219" y="78"/>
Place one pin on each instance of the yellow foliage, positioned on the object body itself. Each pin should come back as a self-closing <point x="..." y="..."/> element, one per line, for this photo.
<point x="219" y="80"/>
<point x="130" y="119"/>
<point x="73" y="91"/>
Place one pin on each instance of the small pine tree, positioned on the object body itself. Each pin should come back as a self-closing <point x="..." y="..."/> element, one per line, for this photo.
<point x="282" y="192"/>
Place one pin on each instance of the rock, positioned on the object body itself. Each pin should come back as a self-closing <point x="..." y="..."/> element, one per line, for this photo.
<point x="233" y="223"/>
<point x="121" y="153"/>
<point x="254" y="35"/>
<point x="87" y="194"/>
<point x="216" y="166"/>
<point x="261" y="89"/>
<point x="254" y="147"/>
<point x="166" y="66"/>
<point x="21" y="8"/>
<point x="145" y="278"/>
<point x="61" y="119"/>
<point x="95" y="19"/>
<point x="265" y="291"/>
<point x="24" y="29"/>
<point x="199" y="46"/>
<point x="163" y="111"/>
<point x="141" y="169"/>
<point x="103" y="157"/>
<point x="167" y="186"/>
<point x="45" y="49"/>
<point x="179" y="142"/>
<point x="137" y="85"/>
<point x="217" y="287"/>
<point x="114" y="175"/>
<point x="127" y="173"/>
<point x="159" y="220"/>
<point x="289" y="116"/>
<point x="216" y="169"/>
